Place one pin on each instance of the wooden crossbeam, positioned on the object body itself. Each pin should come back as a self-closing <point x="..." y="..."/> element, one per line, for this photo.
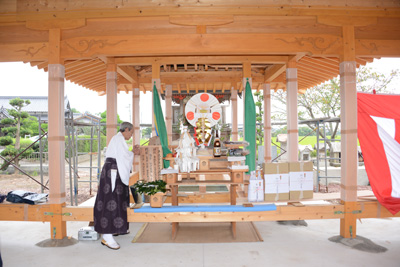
<point x="363" y="209"/>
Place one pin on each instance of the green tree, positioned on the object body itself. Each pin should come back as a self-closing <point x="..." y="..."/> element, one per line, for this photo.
<point x="146" y="131"/>
<point x="19" y="115"/>
<point x="103" y="120"/>
<point x="74" y="110"/>
<point x="31" y="126"/>
<point x="259" y="118"/>
<point x="323" y="101"/>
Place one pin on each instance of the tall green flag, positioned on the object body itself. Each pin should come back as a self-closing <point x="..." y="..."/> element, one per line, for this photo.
<point x="250" y="126"/>
<point x="161" y="130"/>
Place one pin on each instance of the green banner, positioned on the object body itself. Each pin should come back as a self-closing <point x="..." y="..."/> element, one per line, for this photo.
<point x="250" y="127"/>
<point x="161" y="130"/>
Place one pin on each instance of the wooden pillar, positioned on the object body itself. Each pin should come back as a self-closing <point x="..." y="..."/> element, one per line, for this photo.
<point x="234" y="115"/>
<point x="349" y="161"/>
<point x="168" y="112"/>
<point x="112" y="91"/>
<point x="291" y="106"/>
<point x="136" y="124"/>
<point x="267" y="123"/>
<point x="223" y="119"/>
<point x="155" y="73"/>
<point x="56" y="135"/>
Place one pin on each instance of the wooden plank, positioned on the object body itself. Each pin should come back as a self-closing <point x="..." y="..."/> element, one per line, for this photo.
<point x="347" y="20"/>
<point x="377" y="48"/>
<point x="195" y="20"/>
<point x="372" y="209"/>
<point x="198" y="77"/>
<point x="109" y="9"/>
<point x="23" y="212"/>
<point x="24" y="52"/>
<point x="204" y="44"/>
<point x="65" y="24"/>
<point x="219" y="59"/>
<point x="369" y="209"/>
<point x="282" y="213"/>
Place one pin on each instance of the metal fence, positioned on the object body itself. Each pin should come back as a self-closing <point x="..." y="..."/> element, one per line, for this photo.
<point x="35" y="157"/>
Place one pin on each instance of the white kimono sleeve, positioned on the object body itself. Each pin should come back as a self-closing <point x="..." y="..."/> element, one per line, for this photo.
<point x="118" y="149"/>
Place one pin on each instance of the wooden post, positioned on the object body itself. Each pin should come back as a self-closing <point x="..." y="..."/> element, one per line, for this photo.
<point x="234" y="115"/>
<point x="168" y="111"/>
<point x="56" y="135"/>
<point x="291" y="106"/>
<point x="155" y="73"/>
<point x="136" y="124"/>
<point x="111" y="89"/>
<point x="267" y="123"/>
<point x="349" y="160"/>
<point x="246" y="75"/>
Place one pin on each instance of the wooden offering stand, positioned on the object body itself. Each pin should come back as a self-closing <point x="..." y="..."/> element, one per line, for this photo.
<point x="213" y="171"/>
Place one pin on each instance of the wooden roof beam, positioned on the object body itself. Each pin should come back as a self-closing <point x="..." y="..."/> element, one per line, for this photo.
<point x="313" y="74"/>
<point x="129" y="73"/>
<point x="368" y="59"/>
<point x="192" y="77"/>
<point x="70" y="64"/>
<point x="207" y="60"/>
<point x="94" y="83"/>
<point x="308" y="79"/>
<point x="272" y="72"/>
<point x="86" y="69"/>
<point x="313" y="78"/>
<point x="43" y="65"/>
<point x="122" y="81"/>
<point x="361" y="61"/>
<point x="35" y="63"/>
<point x="83" y="67"/>
<point x="88" y="73"/>
<point x="322" y="70"/>
<point x="142" y="88"/>
<point x="320" y="63"/>
<point x="259" y="87"/>
<point x="99" y="76"/>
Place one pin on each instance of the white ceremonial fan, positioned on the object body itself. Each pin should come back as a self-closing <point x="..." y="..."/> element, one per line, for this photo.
<point x="203" y="105"/>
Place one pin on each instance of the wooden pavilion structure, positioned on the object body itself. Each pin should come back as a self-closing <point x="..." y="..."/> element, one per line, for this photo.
<point x="200" y="46"/>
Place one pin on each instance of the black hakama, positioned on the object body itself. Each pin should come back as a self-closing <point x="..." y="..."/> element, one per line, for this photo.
<point x="110" y="208"/>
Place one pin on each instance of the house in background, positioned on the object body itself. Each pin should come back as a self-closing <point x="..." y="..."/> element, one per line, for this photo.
<point x="38" y="106"/>
<point x="86" y="118"/>
<point x="4" y="113"/>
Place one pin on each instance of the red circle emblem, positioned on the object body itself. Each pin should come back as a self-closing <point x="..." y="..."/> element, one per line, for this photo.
<point x="190" y="115"/>
<point x="204" y="97"/>
<point x="216" y="115"/>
